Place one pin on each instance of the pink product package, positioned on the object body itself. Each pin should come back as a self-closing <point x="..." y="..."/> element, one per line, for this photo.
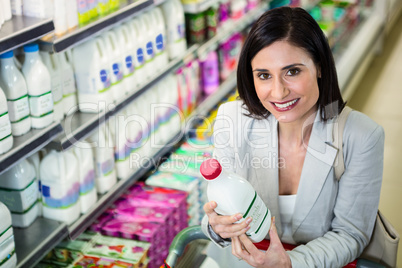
<point x="100" y="221"/>
<point x="142" y="231"/>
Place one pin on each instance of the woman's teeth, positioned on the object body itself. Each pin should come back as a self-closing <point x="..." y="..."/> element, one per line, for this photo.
<point x="285" y="104"/>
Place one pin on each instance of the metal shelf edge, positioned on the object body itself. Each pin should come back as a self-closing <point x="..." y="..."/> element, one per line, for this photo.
<point x="28" y="144"/>
<point x="20" y="35"/>
<point x="81" y="34"/>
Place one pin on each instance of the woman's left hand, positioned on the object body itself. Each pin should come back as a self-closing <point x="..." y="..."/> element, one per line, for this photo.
<point x="275" y="256"/>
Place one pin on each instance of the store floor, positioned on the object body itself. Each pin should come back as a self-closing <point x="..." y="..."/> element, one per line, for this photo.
<point x="379" y="95"/>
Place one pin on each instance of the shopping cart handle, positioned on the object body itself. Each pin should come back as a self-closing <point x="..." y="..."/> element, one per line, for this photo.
<point x="180" y="242"/>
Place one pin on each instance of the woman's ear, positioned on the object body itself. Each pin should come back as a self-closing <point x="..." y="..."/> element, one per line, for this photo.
<point x="318" y="71"/>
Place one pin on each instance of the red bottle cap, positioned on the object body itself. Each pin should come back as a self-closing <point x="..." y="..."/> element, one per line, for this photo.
<point x="210" y="169"/>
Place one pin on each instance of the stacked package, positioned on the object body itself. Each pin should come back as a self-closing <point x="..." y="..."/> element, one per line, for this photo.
<point x="150" y="214"/>
<point x="92" y="249"/>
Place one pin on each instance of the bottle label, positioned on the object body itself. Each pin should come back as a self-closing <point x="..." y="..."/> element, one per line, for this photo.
<point x="82" y="6"/>
<point x="105" y="168"/>
<point x="129" y="64"/>
<point x="258" y="211"/>
<point x="140" y="56"/>
<point x="117" y="71"/>
<point x="41" y="105"/>
<point x="60" y="197"/>
<point x="89" y="182"/>
<point x="105" y="80"/>
<point x="18" y="109"/>
<point x="27" y="197"/>
<point x="159" y="43"/>
<point x="150" y="49"/>
<point x="68" y="83"/>
<point x="57" y="91"/>
<point x="5" y="126"/>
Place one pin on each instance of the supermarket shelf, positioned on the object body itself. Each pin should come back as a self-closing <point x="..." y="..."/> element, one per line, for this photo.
<point x="21" y="30"/>
<point x="83" y="33"/>
<point x="195" y="8"/>
<point x="230" y="28"/>
<point x="28" y="144"/>
<point x="360" y="48"/>
<point x="33" y="243"/>
<point x="104" y="201"/>
<point x="79" y="125"/>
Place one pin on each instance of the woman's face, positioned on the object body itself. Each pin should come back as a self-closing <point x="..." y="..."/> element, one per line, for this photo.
<point x="285" y="79"/>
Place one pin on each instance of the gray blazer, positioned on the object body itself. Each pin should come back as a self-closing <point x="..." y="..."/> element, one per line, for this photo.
<point x="332" y="220"/>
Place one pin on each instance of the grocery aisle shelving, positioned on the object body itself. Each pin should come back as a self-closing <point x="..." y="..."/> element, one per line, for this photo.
<point x="79" y="35"/>
<point x="80" y="125"/>
<point x="43" y="233"/>
<point x="21" y="30"/>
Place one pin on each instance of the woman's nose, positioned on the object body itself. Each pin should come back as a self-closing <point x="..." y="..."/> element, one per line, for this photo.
<point x="279" y="91"/>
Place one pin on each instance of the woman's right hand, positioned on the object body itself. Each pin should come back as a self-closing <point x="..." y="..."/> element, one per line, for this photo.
<point x="225" y="226"/>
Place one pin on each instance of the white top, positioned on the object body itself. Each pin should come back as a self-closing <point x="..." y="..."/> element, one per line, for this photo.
<point x="286" y="208"/>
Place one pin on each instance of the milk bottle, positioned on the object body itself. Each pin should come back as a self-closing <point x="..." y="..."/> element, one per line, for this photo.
<point x="59" y="175"/>
<point x="86" y="171"/>
<point x="19" y="191"/>
<point x="6" y="139"/>
<point x="38" y="82"/>
<point x="116" y="66"/>
<point x="93" y="76"/>
<point x="126" y="46"/>
<point x="161" y="56"/>
<point x="233" y="194"/>
<point x="139" y="50"/>
<point x="146" y="29"/>
<point x="7" y="245"/>
<point x="68" y="83"/>
<point x="55" y="76"/>
<point x="15" y="89"/>
<point x="175" y="28"/>
<point x="103" y="149"/>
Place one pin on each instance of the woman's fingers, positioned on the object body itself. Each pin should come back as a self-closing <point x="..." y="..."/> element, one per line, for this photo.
<point x="236" y="248"/>
<point x="273" y="235"/>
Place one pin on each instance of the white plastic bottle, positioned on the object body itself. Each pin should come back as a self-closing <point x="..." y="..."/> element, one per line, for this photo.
<point x="126" y="45"/>
<point x="68" y="83"/>
<point x="16" y="7"/>
<point x="51" y="62"/>
<point x="86" y="172"/>
<point x="139" y="49"/>
<point x="175" y="28"/>
<point x="93" y="76"/>
<point x="19" y="191"/>
<point x="38" y="8"/>
<point x="7" y="245"/>
<point x="60" y="186"/>
<point x="60" y="16"/>
<point x="104" y="159"/>
<point x="72" y="14"/>
<point x="1" y="16"/>
<point x="38" y="82"/>
<point x="35" y="161"/>
<point x="15" y="88"/>
<point x="146" y="27"/>
<point x="115" y="60"/>
<point x="161" y="56"/>
<point x="233" y="194"/>
<point x="6" y="138"/>
<point x="6" y="6"/>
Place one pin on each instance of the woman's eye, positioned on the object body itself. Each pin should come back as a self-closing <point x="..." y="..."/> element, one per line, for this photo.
<point x="293" y="72"/>
<point x="263" y="76"/>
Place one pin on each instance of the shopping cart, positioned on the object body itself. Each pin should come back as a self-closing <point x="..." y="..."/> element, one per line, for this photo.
<point x="192" y="233"/>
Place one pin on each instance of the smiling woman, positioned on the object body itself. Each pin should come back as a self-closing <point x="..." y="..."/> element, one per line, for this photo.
<point x="289" y="103"/>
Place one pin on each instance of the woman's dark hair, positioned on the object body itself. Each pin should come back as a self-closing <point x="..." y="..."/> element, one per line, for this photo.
<point x="297" y="27"/>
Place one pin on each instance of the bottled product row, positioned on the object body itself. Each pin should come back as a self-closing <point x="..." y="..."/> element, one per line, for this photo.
<point x="154" y="128"/>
